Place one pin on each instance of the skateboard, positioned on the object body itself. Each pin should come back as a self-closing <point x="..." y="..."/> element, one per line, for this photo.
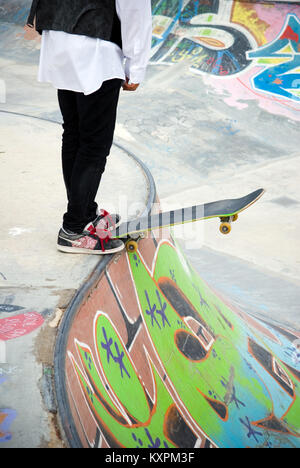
<point x="227" y="210"/>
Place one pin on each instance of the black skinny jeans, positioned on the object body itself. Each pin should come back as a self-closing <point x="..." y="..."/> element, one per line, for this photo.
<point x="89" y="125"/>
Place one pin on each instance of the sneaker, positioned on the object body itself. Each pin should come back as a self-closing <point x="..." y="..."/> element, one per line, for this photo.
<point x="90" y="242"/>
<point x="107" y="221"/>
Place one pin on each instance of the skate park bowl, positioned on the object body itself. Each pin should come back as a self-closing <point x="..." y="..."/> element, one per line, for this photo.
<point x="151" y="357"/>
<point x="149" y="354"/>
<point x="155" y="358"/>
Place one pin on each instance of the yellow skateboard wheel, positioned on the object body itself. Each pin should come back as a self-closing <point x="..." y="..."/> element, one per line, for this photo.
<point x="131" y="246"/>
<point x="225" y="228"/>
<point x="235" y="217"/>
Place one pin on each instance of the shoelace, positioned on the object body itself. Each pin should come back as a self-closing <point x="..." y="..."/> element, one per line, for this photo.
<point x="102" y="234"/>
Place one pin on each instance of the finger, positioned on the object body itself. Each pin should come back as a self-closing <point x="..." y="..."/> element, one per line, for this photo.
<point x="131" y="86"/>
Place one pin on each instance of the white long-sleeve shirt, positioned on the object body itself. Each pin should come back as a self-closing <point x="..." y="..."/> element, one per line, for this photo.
<point x="82" y="64"/>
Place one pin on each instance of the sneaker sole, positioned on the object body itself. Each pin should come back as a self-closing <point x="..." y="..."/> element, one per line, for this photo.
<point x="75" y="250"/>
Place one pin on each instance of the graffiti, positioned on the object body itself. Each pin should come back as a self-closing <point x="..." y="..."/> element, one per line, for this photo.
<point x="193" y="31"/>
<point x="124" y="421"/>
<point x="8" y="308"/>
<point x="9" y="370"/>
<point x="7" y="416"/>
<point x="217" y="378"/>
<point x="160" y="311"/>
<point x="280" y="79"/>
<point x="229" y="41"/>
<point x="19" y="325"/>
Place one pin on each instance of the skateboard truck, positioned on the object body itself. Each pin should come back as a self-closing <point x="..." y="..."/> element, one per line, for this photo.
<point x="131" y="246"/>
<point x="225" y="227"/>
<point x="132" y="242"/>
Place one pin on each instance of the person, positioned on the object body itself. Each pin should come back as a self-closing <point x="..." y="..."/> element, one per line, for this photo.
<point x="88" y="53"/>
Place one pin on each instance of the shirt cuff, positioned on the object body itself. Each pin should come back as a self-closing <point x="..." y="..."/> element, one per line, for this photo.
<point x="135" y="73"/>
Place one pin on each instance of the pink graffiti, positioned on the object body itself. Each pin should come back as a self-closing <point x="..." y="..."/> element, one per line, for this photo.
<point x="20" y="325"/>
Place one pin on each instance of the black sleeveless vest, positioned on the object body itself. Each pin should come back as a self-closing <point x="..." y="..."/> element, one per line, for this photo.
<point x="93" y="18"/>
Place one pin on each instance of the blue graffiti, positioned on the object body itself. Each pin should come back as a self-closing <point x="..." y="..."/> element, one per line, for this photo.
<point x="159" y="309"/>
<point x="251" y="431"/>
<point x="118" y="358"/>
<point x="282" y="79"/>
<point x="7" y="416"/>
<point x="233" y="397"/>
<point x="107" y="346"/>
<point x="203" y="302"/>
<point x="153" y="443"/>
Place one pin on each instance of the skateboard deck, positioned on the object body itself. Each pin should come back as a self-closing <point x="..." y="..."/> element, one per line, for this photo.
<point x="226" y="210"/>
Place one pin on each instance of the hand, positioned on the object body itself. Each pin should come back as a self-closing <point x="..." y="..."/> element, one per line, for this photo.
<point x="130" y="87"/>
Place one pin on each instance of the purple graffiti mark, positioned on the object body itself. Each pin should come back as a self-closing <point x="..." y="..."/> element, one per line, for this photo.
<point x="153" y="444"/>
<point x="235" y="400"/>
<point x="90" y="394"/>
<point x="162" y="310"/>
<point x="107" y="345"/>
<point x="203" y="302"/>
<point x="251" y="431"/>
<point x="7" y="416"/>
<point x="212" y="395"/>
<point x="88" y="360"/>
<point x="182" y="325"/>
<point x="233" y="396"/>
<point x="159" y="309"/>
<point x="139" y="441"/>
<point x="137" y="261"/>
<point x="151" y="311"/>
<point x="156" y="443"/>
<point x="249" y="365"/>
<point x="118" y="359"/>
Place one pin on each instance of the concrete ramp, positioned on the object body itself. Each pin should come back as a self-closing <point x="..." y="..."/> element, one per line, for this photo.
<point x="149" y="356"/>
